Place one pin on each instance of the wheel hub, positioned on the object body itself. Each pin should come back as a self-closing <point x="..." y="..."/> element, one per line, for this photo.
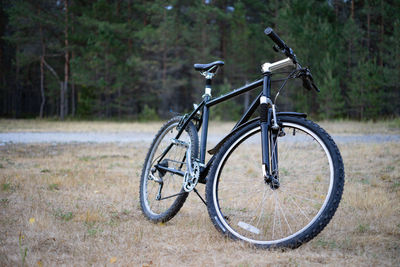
<point x="272" y="181"/>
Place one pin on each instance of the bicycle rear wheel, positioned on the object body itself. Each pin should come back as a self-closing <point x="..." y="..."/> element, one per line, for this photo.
<point x="311" y="175"/>
<point x="161" y="192"/>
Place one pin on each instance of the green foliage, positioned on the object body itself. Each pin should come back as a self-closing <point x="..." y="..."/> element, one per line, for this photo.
<point x="6" y="186"/>
<point x="53" y="187"/>
<point x="64" y="216"/>
<point x="22" y="249"/>
<point x="133" y="59"/>
<point x="366" y="92"/>
<point x="228" y="110"/>
<point x="330" y="99"/>
<point x="92" y="230"/>
<point x="363" y="228"/>
<point x="87" y="101"/>
<point x="148" y="114"/>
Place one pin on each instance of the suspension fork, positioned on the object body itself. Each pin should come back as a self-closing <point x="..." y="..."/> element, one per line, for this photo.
<point x="269" y="132"/>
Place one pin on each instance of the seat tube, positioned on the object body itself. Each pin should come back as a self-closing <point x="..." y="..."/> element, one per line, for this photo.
<point x="204" y="128"/>
<point x="265" y="121"/>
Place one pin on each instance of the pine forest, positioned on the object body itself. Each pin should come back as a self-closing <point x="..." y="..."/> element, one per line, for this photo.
<point x="133" y="59"/>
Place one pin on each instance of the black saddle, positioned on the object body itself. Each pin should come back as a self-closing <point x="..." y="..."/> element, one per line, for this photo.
<point x="206" y="67"/>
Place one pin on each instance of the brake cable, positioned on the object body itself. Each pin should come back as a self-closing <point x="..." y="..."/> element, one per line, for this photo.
<point x="284" y="83"/>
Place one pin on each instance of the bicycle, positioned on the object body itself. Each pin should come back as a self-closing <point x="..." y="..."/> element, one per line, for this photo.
<point x="255" y="192"/>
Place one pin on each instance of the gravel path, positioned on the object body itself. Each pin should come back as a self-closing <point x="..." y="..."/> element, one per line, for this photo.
<point x="132" y="137"/>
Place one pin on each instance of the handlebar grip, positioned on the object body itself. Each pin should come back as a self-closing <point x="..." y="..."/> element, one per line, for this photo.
<point x="274" y="37"/>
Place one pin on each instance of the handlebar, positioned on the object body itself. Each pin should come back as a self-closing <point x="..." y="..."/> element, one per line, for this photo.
<point x="303" y="73"/>
<point x="274" y="37"/>
<point x="281" y="44"/>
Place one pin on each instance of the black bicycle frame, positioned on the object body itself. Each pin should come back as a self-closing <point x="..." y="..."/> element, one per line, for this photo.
<point x="207" y="103"/>
<point x="265" y="120"/>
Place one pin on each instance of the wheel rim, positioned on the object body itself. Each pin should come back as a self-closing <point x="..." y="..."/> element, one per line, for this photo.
<point x="172" y="183"/>
<point x="259" y="222"/>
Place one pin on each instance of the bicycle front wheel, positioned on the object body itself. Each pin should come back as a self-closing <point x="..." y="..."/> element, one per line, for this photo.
<point x="245" y="207"/>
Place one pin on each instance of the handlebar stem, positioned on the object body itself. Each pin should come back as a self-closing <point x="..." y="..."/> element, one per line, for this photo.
<point x="269" y="67"/>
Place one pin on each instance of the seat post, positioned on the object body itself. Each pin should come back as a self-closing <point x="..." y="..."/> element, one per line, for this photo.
<point x="208" y="71"/>
<point x="207" y="90"/>
<point x="204" y="130"/>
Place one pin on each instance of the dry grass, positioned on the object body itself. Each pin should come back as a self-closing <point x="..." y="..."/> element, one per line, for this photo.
<point x="356" y="127"/>
<point x="78" y="205"/>
<point x="335" y="127"/>
<point x="8" y="125"/>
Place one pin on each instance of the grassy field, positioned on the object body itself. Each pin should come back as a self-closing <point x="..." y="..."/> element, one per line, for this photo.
<point x="77" y="204"/>
<point x="335" y="127"/>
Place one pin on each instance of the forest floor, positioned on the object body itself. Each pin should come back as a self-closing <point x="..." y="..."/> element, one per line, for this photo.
<point x="77" y="204"/>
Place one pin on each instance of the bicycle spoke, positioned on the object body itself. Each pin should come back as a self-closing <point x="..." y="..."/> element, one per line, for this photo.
<point x="296" y="190"/>
<point x="301" y="210"/>
<point x="261" y="205"/>
<point x="284" y="216"/>
<point x="305" y="201"/>
<point x="273" y="226"/>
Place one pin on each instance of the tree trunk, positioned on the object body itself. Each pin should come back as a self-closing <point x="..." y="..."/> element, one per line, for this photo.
<point x="107" y="88"/>
<point x="64" y="88"/>
<point x="62" y="101"/>
<point x="164" y="57"/>
<point x="352" y="9"/>
<point x="336" y="9"/>
<point x="382" y="31"/>
<point x="164" y="100"/>
<point x="223" y="38"/>
<point x="129" y="23"/>
<point x="73" y="100"/>
<point x="119" y="87"/>
<point x="42" y="72"/>
<point x="42" y="86"/>
<point x="17" y="87"/>
<point x="351" y="39"/>
<point x="368" y="28"/>
<point x="61" y="84"/>
<point x="73" y="91"/>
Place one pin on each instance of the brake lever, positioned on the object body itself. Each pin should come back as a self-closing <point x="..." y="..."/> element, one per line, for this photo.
<point x="308" y="84"/>
<point x="315" y="87"/>
<point x="308" y="81"/>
